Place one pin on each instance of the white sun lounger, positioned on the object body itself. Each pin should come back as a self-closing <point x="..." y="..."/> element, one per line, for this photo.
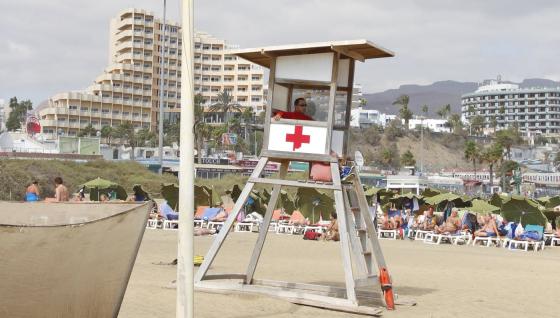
<point x="215" y="225"/>
<point x="244" y="227"/>
<point x="555" y="240"/>
<point x="152" y="224"/>
<point x="487" y="241"/>
<point x="387" y="234"/>
<point x="170" y="224"/>
<point x="421" y="234"/>
<point x="525" y="245"/>
<point x="455" y="239"/>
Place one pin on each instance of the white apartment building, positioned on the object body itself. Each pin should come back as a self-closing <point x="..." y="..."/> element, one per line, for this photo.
<point x="503" y="105"/>
<point x="128" y="90"/>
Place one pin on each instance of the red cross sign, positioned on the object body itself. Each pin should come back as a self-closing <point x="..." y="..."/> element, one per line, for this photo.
<point x="298" y="138"/>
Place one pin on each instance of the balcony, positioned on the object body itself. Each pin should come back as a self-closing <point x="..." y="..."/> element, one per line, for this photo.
<point x="123" y="34"/>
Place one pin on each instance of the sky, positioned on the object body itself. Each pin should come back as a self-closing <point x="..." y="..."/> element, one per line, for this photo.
<point x="54" y="46"/>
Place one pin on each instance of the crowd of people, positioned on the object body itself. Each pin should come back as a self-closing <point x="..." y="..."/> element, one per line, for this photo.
<point x="488" y="225"/>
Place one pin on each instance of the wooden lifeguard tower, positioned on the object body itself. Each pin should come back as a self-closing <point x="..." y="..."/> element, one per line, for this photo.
<point x="323" y="74"/>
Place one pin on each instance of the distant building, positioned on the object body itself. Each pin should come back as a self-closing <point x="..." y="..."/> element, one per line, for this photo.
<point x="503" y="105"/>
<point x="435" y="125"/>
<point x="364" y="118"/>
<point x="128" y="89"/>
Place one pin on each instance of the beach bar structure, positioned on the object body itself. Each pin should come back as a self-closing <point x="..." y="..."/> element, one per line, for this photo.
<point x="322" y="74"/>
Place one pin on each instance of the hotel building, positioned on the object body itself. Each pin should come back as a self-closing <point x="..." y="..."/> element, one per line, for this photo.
<point x="128" y="89"/>
<point x="504" y="105"/>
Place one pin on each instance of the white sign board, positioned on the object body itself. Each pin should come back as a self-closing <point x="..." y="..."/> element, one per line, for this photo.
<point x="297" y="138"/>
<point x="310" y="67"/>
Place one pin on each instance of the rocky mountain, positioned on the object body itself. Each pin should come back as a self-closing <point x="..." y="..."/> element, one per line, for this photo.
<point x="436" y="95"/>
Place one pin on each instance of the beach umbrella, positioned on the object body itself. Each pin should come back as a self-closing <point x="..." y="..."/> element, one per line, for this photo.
<point x="137" y="189"/>
<point x="401" y="199"/>
<point x="444" y="198"/>
<point x="202" y="196"/>
<point x="429" y="192"/>
<point x="170" y="192"/>
<point x="520" y="209"/>
<point x="216" y="199"/>
<point x="313" y="204"/>
<point x="497" y="199"/>
<point x="482" y="207"/>
<point x="549" y="202"/>
<point x="99" y="186"/>
<point x="286" y="202"/>
<point x="234" y="193"/>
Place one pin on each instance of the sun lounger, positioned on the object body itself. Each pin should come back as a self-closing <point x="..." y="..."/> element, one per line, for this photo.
<point x="244" y="227"/>
<point x="318" y="229"/>
<point x="199" y="223"/>
<point x="421" y="234"/>
<point x="524" y="245"/>
<point x="387" y="234"/>
<point x="285" y="229"/>
<point x="152" y="224"/>
<point x="215" y="225"/>
<point x="555" y="240"/>
<point x="170" y="224"/>
<point x="455" y="238"/>
<point x="487" y="241"/>
<point x="273" y="226"/>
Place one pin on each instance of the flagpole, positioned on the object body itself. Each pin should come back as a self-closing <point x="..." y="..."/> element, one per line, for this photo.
<point x="185" y="254"/>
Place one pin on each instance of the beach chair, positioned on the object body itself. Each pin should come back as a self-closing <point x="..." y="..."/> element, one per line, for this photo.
<point x="273" y="226"/>
<point x="387" y="234"/>
<point x="244" y="227"/>
<point x="152" y="224"/>
<point x="452" y="238"/>
<point x="215" y="225"/>
<point x="198" y="223"/>
<point x="170" y="224"/>
<point x="487" y="241"/>
<point x="524" y="245"/>
<point x="555" y="240"/>
<point x="285" y="229"/>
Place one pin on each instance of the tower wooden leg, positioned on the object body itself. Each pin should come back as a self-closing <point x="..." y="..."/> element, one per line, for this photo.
<point x="344" y="238"/>
<point x="224" y="231"/>
<point x="263" y="232"/>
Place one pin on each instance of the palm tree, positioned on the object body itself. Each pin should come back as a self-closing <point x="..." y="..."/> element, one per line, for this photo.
<point x="200" y="129"/>
<point x="492" y="155"/>
<point x="225" y="105"/>
<point x="87" y="131"/>
<point x="107" y="132"/>
<point x="477" y="122"/>
<point x="404" y="111"/>
<point x="494" y="124"/>
<point x="454" y="123"/>
<point x="425" y="110"/>
<point x="472" y="153"/>
<point x="444" y="111"/>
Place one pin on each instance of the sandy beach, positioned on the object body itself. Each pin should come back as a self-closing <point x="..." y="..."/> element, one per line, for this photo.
<point x="446" y="281"/>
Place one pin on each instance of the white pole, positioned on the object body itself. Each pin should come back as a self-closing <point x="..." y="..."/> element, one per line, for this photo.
<point x="185" y="255"/>
<point x="162" y="89"/>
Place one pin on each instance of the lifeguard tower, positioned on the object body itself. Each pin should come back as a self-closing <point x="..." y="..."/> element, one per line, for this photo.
<point x="323" y="74"/>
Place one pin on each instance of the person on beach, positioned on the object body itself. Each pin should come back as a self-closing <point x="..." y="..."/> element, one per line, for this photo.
<point x="430" y="220"/>
<point x="32" y="192"/>
<point x="61" y="192"/>
<point x="332" y="233"/>
<point x="103" y="198"/>
<point x="489" y="228"/>
<point x="451" y="225"/>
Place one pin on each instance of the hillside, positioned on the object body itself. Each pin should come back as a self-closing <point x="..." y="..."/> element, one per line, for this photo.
<point x="441" y="151"/>
<point x="435" y="95"/>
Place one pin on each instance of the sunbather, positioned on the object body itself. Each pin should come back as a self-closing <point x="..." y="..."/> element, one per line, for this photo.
<point x="221" y="216"/>
<point x="489" y="228"/>
<point x="430" y="220"/>
<point x="332" y="233"/>
<point x="451" y="225"/>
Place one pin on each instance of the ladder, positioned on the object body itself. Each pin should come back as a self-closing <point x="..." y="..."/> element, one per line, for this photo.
<point x="363" y="240"/>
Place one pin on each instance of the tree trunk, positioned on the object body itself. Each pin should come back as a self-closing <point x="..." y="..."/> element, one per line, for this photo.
<point x="199" y="149"/>
<point x="474" y="166"/>
<point x="491" y="167"/>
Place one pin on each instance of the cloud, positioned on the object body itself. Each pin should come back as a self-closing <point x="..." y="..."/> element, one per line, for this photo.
<point x="61" y="45"/>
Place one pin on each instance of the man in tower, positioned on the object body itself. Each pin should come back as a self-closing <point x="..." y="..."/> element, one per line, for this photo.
<point x="300" y="105"/>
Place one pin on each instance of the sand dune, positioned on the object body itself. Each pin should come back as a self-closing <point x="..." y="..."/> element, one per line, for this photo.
<point x="446" y="281"/>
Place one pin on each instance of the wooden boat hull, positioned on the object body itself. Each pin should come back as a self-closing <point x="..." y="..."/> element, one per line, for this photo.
<point x="67" y="260"/>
